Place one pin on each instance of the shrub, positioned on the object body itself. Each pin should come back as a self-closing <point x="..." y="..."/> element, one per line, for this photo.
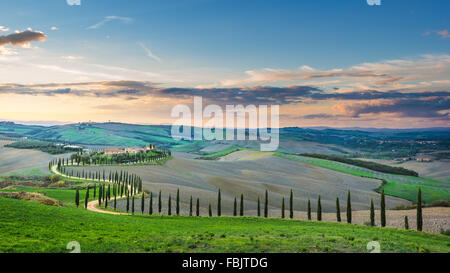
<point x="55" y="178"/>
<point x="445" y="232"/>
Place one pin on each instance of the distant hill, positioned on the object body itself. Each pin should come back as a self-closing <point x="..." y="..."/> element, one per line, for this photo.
<point x="352" y="141"/>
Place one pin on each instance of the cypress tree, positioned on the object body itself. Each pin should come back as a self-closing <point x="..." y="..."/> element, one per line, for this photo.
<point x="142" y="203"/>
<point x="190" y="206"/>
<point x="210" y="210"/>
<point x="77" y="198"/>
<point x="197" y="209"/>
<point x="219" y="204"/>
<point x="242" y="205"/>
<point x="178" y="202"/>
<point x="291" y="205"/>
<point x="266" y="205"/>
<point x="282" y="208"/>
<point x="235" y="207"/>
<point x="406" y="222"/>
<point x="150" y="206"/>
<point x="372" y="213"/>
<point x="95" y="190"/>
<point x="159" y="203"/>
<point x="169" y="210"/>
<point x="106" y="203"/>
<point x="419" y="210"/>
<point x="128" y="203"/>
<point x="309" y="209"/>
<point x="349" y="208"/>
<point x="383" y="210"/>
<point x="338" y="210"/>
<point x="115" y="202"/>
<point x="100" y="195"/>
<point x="86" y="198"/>
<point x="319" y="210"/>
<point x="259" y="206"/>
<point x="132" y="204"/>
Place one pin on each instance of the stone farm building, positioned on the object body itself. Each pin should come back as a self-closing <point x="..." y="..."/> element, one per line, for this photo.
<point x="130" y="150"/>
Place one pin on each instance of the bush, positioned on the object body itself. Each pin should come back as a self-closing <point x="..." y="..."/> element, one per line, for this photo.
<point x="55" y="178"/>
<point x="445" y="232"/>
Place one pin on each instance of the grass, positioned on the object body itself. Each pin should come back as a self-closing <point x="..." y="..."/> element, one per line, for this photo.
<point x="66" y="196"/>
<point x="32" y="227"/>
<point x="395" y="185"/>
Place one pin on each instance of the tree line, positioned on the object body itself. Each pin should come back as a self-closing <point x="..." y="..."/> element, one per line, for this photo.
<point x="366" y="164"/>
<point x="99" y="158"/>
<point x="105" y="196"/>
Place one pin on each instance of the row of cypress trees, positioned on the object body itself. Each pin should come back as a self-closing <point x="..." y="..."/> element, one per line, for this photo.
<point x="105" y="196"/>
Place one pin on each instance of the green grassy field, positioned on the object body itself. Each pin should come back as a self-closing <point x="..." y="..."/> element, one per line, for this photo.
<point x="32" y="227"/>
<point x="66" y="196"/>
<point x="395" y="185"/>
<point x="222" y="153"/>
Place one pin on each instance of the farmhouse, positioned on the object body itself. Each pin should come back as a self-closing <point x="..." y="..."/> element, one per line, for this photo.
<point x="130" y="150"/>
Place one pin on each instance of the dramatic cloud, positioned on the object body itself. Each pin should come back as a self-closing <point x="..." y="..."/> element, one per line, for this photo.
<point x="4" y="29"/>
<point x="109" y="19"/>
<point x="419" y="108"/>
<point x="23" y="38"/>
<point x="299" y="104"/>
<point x="426" y="73"/>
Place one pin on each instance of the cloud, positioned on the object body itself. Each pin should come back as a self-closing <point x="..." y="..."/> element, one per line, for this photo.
<point x="54" y="28"/>
<point x="72" y="58"/>
<point x="74" y="2"/>
<point x="306" y="103"/>
<point x="4" y="29"/>
<point x="109" y="19"/>
<point x="149" y="53"/>
<point x="22" y="38"/>
<point x="7" y="51"/>
<point x="425" y="73"/>
<point x="444" y="34"/>
<point x="418" y="108"/>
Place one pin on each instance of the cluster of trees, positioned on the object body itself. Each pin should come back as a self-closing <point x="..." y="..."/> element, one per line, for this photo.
<point x="106" y="192"/>
<point x="99" y="158"/>
<point x="44" y="146"/>
<point x="366" y="164"/>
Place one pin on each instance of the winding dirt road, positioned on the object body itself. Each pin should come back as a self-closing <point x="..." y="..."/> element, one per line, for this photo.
<point x="92" y="206"/>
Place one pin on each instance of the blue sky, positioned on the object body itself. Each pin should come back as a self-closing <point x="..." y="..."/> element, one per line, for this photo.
<point x="223" y="44"/>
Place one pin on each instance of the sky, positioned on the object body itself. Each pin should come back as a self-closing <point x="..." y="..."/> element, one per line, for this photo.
<point x="325" y="62"/>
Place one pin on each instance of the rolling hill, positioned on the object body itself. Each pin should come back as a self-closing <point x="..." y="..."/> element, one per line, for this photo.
<point x="380" y="143"/>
